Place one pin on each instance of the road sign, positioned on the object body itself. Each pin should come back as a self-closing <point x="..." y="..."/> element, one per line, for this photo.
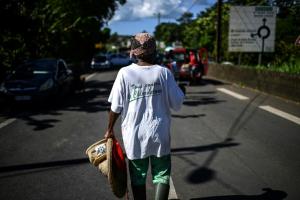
<point x="252" y="29"/>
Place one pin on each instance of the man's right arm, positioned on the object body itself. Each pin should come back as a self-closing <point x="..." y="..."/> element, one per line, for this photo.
<point x="111" y="123"/>
<point x="116" y="100"/>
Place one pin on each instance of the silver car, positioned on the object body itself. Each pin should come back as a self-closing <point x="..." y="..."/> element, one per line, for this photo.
<point x="119" y="60"/>
<point x="100" y="62"/>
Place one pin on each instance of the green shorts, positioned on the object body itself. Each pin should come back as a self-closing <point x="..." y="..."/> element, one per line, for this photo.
<point x="160" y="170"/>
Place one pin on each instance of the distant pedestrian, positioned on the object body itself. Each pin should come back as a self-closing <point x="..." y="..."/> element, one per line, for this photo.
<point x="143" y="93"/>
<point x="172" y="64"/>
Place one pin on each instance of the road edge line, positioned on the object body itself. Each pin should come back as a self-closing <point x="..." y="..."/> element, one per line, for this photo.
<point x="172" y="193"/>
<point x="280" y="113"/>
<point x="234" y="94"/>
<point x="7" y="122"/>
<point x="90" y="76"/>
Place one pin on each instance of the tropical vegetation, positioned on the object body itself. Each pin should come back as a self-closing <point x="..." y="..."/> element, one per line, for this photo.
<point x="71" y="28"/>
<point x="52" y="28"/>
<point x="201" y="32"/>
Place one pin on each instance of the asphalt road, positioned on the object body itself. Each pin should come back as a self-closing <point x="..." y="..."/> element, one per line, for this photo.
<point x="224" y="146"/>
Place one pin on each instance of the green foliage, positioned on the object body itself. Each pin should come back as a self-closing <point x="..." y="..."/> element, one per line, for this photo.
<point x="52" y="28"/>
<point x="167" y="32"/>
<point x="292" y="68"/>
<point x="185" y="18"/>
<point x="201" y="32"/>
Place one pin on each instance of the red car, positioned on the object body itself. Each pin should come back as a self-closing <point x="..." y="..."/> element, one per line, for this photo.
<point x="188" y="64"/>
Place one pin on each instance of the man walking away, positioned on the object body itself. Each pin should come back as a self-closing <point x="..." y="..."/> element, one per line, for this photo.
<point x="143" y="93"/>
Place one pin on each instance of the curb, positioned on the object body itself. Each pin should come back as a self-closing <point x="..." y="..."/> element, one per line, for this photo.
<point x="275" y="83"/>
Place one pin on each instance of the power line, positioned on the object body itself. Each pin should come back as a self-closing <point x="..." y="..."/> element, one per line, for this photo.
<point x="188" y="10"/>
<point x="168" y="15"/>
<point x="194" y="3"/>
<point x="173" y="10"/>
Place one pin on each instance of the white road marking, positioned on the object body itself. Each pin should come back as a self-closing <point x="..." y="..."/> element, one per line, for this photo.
<point x="236" y="95"/>
<point x="281" y="113"/>
<point x="5" y="123"/>
<point x="89" y="76"/>
<point x="172" y="193"/>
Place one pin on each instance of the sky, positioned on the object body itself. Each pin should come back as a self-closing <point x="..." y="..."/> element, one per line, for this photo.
<point x="139" y="15"/>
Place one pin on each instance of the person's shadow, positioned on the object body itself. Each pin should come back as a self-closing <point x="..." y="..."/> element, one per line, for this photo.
<point x="268" y="194"/>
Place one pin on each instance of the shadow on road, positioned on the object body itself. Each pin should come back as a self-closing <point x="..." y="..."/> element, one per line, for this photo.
<point x="40" y="165"/>
<point x="196" y="101"/>
<point x="202" y="173"/>
<point x="268" y="194"/>
<point x="90" y="100"/>
<point x="201" y="98"/>
<point x="211" y="81"/>
<point x="188" y="116"/>
<point x="202" y="92"/>
<point x="40" y="124"/>
<point x="196" y="149"/>
<point x="206" y="81"/>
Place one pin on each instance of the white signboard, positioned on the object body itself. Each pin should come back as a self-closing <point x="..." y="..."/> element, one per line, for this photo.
<point x="252" y="28"/>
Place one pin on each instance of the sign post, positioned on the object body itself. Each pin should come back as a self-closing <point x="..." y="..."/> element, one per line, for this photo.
<point x="252" y="29"/>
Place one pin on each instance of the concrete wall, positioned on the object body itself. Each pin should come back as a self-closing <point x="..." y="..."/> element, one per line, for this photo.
<point x="275" y="83"/>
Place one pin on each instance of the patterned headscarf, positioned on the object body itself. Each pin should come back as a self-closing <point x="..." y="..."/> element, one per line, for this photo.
<point x="142" y="44"/>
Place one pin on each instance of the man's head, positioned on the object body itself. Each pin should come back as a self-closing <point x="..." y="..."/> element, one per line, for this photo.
<point x="143" y="46"/>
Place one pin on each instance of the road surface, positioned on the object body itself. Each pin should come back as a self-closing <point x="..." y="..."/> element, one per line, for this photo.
<point x="228" y="143"/>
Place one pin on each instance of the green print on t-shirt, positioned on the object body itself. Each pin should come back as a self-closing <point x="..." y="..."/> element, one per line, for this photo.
<point x="144" y="90"/>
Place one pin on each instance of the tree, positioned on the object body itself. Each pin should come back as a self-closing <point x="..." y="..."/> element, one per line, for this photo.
<point x="201" y="32"/>
<point x="185" y="18"/>
<point x="167" y="32"/>
<point x="52" y="28"/>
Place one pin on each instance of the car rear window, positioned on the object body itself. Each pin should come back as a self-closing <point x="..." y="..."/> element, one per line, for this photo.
<point x="34" y="69"/>
<point x="179" y="56"/>
<point x="48" y="66"/>
<point x="100" y="59"/>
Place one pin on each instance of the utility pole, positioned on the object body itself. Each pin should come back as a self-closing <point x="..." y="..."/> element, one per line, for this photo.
<point x="219" y="31"/>
<point x="158" y="18"/>
<point x="158" y="23"/>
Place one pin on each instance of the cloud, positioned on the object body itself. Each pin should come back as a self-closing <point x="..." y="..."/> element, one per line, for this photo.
<point x="140" y="9"/>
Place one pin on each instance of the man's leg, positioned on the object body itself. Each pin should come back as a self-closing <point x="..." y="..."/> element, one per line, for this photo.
<point x="139" y="192"/>
<point x="138" y="173"/>
<point x="161" y="170"/>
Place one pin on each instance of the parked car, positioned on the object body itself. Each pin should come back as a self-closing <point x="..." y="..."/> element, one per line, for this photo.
<point x="109" y="61"/>
<point x="37" y="79"/>
<point x="119" y="60"/>
<point x="100" y="62"/>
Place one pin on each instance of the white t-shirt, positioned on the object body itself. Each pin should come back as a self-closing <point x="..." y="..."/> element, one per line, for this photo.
<point x="144" y="96"/>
